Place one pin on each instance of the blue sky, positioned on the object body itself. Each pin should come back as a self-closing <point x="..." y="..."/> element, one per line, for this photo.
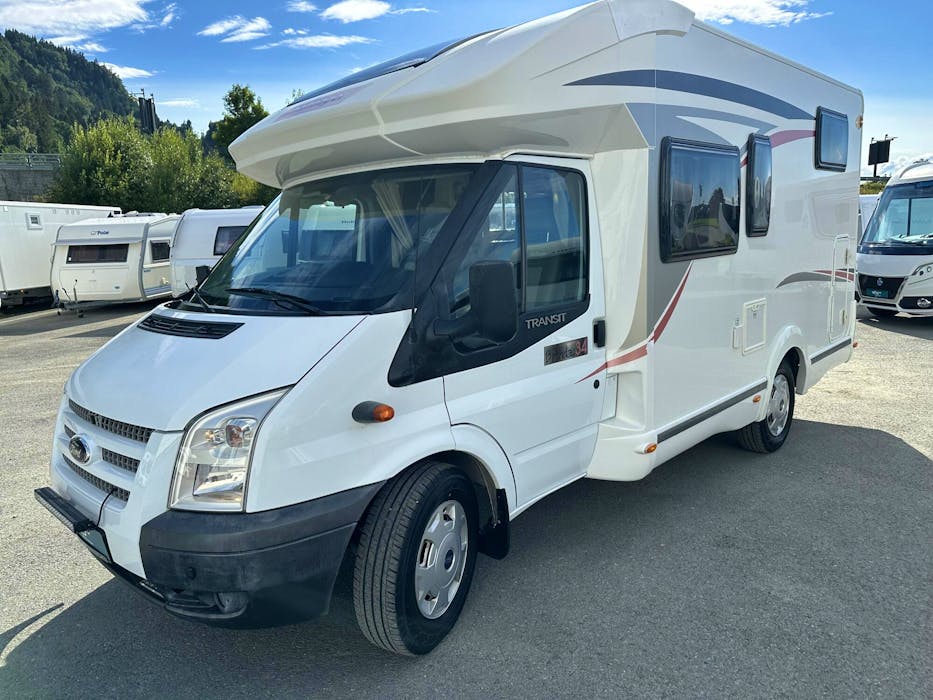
<point x="190" y="53"/>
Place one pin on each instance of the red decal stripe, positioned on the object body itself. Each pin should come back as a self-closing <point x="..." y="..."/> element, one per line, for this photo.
<point x="662" y="324"/>
<point x="781" y="137"/>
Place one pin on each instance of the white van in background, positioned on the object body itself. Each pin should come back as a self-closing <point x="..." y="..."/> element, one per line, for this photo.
<point x="27" y="232"/>
<point x="571" y="248"/>
<point x="895" y="254"/>
<point x="201" y="238"/>
<point x="120" y="259"/>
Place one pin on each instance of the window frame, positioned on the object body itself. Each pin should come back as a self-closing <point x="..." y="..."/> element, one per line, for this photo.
<point x="225" y="228"/>
<point x="126" y="254"/>
<point x="34" y="226"/>
<point x="152" y="255"/>
<point x="819" y="163"/>
<point x="668" y="144"/>
<point x="754" y="141"/>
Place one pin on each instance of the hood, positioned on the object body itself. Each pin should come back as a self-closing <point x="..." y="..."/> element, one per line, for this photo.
<point x="882" y="265"/>
<point x="161" y="381"/>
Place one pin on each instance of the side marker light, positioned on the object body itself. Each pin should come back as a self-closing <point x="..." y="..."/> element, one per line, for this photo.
<point x="373" y="412"/>
<point x="757" y="399"/>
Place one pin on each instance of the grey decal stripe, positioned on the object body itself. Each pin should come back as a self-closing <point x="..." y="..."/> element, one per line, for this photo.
<point x="806" y="277"/>
<point x="842" y="345"/>
<point x="710" y="412"/>
<point x="699" y="85"/>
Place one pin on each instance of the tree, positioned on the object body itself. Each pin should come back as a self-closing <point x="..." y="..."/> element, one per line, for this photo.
<point x="242" y="109"/>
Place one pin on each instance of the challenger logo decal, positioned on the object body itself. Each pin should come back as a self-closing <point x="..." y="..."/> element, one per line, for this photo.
<point x="566" y="351"/>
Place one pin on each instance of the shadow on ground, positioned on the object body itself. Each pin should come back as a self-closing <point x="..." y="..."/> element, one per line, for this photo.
<point x="915" y="327"/>
<point x="46" y="321"/>
<point x="801" y="573"/>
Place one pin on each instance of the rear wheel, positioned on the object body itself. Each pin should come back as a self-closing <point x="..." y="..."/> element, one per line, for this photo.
<point x="882" y="313"/>
<point x="416" y="557"/>
<point x="769" y="434"/>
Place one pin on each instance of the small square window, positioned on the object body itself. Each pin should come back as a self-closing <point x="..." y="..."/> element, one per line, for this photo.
<point x="758" y="186"/>
<point x="832" y="140"/>
<point x="34" y="221"/>
<point x="160" y="251"/>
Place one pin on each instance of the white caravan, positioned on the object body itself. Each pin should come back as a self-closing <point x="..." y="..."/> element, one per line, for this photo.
<point x="895" y="255"/>
<point x="27" y="232"/>
<point x="580" y="246"/>
<point x="201" y="237"/>
<point x="120" y="259"/>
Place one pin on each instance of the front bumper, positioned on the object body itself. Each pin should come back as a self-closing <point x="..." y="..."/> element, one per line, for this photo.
<point x="249" y="569"/>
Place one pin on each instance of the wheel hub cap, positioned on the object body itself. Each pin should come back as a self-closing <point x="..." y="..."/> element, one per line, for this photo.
<point x="441" y="560"/>
<point x="778" y="406"/>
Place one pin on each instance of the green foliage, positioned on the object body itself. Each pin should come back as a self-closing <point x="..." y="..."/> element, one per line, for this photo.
<point x="46" y="89"/>
<point x="242" y="109"/>
<point x="871" y="187"/>
<point x="18" y="139"/>
<point x="112" y="163"/>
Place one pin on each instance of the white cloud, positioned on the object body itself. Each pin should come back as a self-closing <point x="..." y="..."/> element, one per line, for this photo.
<point x="85" y="16"/>
<point x="78" y="43"/>
<point x="181" y="102"/>
<point x="90" y="47"/>
<point x="767" y="12"/>
<point x="67" y="40"/>
<point x="238" y="28"/>
<point x="356" y="10"/>
<point x="168" y="15"/>
<point x="294" y="32"/>
<point x="301" y="6"/>
<point x="318" y="41"/>
<point x="127" y="72"/>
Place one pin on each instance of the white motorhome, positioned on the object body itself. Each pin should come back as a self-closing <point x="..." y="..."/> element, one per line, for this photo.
<point x="27" y="232"/>
<point x="106" y="261"/>
<point x="201" y="237"/>
<point x="580" y="246"/>
<point x="867" y="203"/>
<point x="895" y="254"/>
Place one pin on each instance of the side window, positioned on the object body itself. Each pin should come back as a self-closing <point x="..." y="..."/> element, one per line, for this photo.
<point x="33" y="221"/>
<point x="832" y="140"/>
<point x="498" y="238"/>
<point x="226" y="236"/>
<point x="699" y="199"/>
<point x="112" y="253"/>
<point x="758" y="186"/>
<point x="160" y="251"/>
<point x="554" y="224"/>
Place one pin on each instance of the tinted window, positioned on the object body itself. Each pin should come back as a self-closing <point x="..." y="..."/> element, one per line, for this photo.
<point x="226" y="237"/>
<point x="113" y="253"/>
<point x="758" y="186"/>
<point x="160" y="250"/>
<point x="554" y="209"/>
<point x="832" y="140"/>
<point x="699" y="200"/>
<point x="904" y="216"/>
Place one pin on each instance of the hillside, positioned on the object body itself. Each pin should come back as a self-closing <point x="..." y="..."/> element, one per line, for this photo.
<point x="44" y="89"/>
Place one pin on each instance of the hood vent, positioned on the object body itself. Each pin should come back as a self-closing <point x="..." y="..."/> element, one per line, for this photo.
<point x="187" y="329"/>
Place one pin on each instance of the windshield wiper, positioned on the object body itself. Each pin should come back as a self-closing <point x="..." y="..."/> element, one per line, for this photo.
<point x="195" y="294"/>
<point x="295" y="301"/>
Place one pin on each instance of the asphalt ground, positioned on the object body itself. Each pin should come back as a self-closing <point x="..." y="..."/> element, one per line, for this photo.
<point x="804" y="574"/>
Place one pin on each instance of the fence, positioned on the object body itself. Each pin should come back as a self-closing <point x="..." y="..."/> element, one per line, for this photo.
<point x="30" y="161"/>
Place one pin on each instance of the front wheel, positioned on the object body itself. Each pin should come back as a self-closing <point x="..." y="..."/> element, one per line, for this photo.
<point x="416" y="557"/>
<point x="769" y="434"/>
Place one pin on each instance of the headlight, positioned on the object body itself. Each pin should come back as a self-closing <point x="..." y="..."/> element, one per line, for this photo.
<point x="923" y="270"/>
<point x="214" y="459"/>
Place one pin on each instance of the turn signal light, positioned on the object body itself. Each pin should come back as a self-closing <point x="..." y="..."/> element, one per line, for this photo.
<point x="648" y="449"/>
<point x="757" y="399"/>
<point x="373" y="412"/>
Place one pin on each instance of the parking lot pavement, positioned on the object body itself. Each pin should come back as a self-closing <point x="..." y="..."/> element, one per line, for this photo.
<point x="804" y="573"/>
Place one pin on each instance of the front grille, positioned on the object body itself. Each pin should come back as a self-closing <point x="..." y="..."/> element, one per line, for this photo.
<point x="187" y="329"/>
<point x="97" y="482"/>
<point x="122" y="461"/>
<point x="127" y="430"/>
<point x="892" y="285"/>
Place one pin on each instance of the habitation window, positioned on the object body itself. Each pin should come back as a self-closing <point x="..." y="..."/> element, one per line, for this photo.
<point x="34" y="221"/>
<point x="111" y="253"/>
<point x="226" y="237"/>
<point x="832" y="140"/>
<point x="758" y="186"/>
<point x="160" y="250"/>
<point x="699" y="200"/>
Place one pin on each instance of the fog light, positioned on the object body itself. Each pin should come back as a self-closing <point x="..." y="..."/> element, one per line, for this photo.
<point x="924" y="303"/>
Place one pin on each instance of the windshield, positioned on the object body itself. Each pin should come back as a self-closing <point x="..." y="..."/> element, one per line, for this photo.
<point x="344" y="245"/>
<point x="904" y="216"/>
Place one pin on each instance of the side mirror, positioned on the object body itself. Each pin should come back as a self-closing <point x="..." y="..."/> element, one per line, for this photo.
<point x="492" y="298"/>
<point x="201" y="272"/>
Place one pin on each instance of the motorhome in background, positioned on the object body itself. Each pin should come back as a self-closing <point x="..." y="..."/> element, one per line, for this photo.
<point x="580" y="246"/>
<point x="27" y="232"/>
<point x="866" y="207"/>
<point x="201" y="237"/>
<point x="895" y="254"/>
<point x="120" y="259"/>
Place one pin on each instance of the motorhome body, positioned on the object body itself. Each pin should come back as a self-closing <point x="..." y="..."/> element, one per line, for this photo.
<point x="201" y="237"/>
<point x="895" y="254"/>
<point x="580" y="246"/>
<point x="120" y="259"/>
<point x="27" y="232"/>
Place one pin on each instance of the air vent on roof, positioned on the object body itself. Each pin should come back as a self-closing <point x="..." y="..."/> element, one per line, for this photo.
<point x="187" y="329"/>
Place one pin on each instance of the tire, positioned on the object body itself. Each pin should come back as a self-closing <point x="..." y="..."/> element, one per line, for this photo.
<point x="881" y="313"/>
<point x="425" y="511"/>
<point x="769" y="434"/>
